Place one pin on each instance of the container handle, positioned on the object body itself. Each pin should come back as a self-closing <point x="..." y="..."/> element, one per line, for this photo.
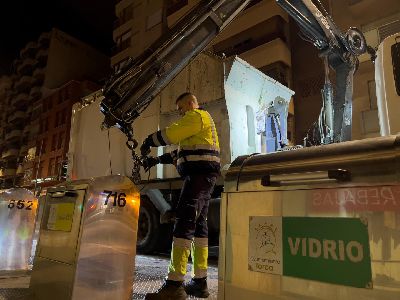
<point x="336" y="175"/>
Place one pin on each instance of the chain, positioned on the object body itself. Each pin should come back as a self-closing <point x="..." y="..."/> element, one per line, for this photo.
<point x="137" y="162"/>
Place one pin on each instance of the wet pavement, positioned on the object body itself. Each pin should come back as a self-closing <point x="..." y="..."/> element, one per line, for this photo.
<point x="149" y="270"/>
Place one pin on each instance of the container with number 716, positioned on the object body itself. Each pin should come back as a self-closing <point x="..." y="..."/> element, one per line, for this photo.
<point x="18" y="210"/>
<point x="87" y="241"/>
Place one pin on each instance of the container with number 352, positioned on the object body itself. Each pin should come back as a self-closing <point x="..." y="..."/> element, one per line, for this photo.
<point x="18" y="209"/>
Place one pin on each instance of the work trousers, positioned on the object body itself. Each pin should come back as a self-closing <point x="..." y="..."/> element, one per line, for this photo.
<point x="192" y="207"/>
<point x="191" y="231"/>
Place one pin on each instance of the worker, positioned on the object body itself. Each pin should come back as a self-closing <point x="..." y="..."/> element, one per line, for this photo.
<point x="198" y="162"/>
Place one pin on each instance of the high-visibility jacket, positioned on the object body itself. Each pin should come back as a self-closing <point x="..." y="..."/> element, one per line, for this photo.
<point x="197" y="137"/>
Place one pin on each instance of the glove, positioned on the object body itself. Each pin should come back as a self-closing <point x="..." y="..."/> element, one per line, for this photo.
<point x="145" y="148"/>
<point x="149" y="162"/>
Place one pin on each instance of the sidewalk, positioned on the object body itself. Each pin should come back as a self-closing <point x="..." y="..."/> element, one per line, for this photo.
<point x="150" y="272"/>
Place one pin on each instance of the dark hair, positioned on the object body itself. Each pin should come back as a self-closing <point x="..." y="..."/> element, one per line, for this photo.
<point x="180" y="97"/>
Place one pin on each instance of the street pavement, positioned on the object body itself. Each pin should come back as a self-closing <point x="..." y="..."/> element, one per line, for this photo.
<point x="149" y="275"/>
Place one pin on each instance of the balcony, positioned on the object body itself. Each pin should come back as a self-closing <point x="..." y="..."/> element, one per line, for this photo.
<point x="10" y="153"/>
<point x="34" y="130"/>
<point x="23" y="84"/>
<point x="44" y="39"/>
<point x="27" y="66"/>
<point x="20" y="100"/>
<point x="17" y="116"/>
<point x="5" y="84"/>
<point x="27" y="129"/>
<point x="41" y="57"/>
<point x="29" y="50"/>
<point x="269" y="53"/>
<point x="13" y="135"/>
<point x="24" y="150"/>
<point x="7" y="172"/>
<point x="39" y="74"/>
<point x="20" y="169"/>
<point x="36" y="92"/>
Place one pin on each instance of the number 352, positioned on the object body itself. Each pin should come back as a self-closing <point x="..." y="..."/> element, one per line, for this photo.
<point x="20" y="204"/>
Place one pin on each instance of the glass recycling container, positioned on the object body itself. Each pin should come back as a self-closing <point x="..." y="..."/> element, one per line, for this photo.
<point x="314" y="223"/>
<point x="18" y="211"/>
<point x="87" y="242"/>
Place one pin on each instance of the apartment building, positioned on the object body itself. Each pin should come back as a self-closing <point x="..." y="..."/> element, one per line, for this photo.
<point x="45" y="164"/>
<point x="41" y="67"/>
<point x="259" y="35"/>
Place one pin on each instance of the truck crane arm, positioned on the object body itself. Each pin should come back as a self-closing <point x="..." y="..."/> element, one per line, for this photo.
<point x="131" y="89"/>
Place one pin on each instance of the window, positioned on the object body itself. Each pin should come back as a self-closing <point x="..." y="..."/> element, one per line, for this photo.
<point x="57" y="120"/>
<point x="52" y="167"/>
<point x="126" y="14"/>
<point x="175" y="5"/>
<point x="60" y="139"/>
<point x="63" y="116"/>
<point x="44" y="125"/>
<point x="53" y="142"/>
<point x="40" y="169"/>
<point x="58" y="165"/>
<point x="41" y="147"/>
<point x="154" y="19"/>
<point x="277" y="71"/>
<point x="123" y="41"/>
<point x="44" y="145"/>
<point x="252" y="3"/>
<point x="49" y="104"/>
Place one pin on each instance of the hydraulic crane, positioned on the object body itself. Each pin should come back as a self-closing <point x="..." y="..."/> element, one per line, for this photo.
<point x="131" y="89"/>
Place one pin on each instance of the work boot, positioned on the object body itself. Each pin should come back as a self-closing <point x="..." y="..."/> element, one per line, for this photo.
<point x="170" y="290"/>
<point x="197" y="287"/>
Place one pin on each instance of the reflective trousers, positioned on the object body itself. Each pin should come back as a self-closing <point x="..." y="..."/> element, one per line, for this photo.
<point x="191" y="231"/>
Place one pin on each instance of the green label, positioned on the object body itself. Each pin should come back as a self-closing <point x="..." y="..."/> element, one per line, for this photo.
<point x="334" y="250"/>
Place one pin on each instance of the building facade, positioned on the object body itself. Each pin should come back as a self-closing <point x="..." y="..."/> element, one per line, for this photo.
<point x="267" y="38"/>
<point x="41" y="68"/>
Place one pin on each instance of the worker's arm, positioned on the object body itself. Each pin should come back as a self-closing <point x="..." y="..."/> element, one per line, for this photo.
<point x="166" y="158"/>
<point x="189" y="125"/>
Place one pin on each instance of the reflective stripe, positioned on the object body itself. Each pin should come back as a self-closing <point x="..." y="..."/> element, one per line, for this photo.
<point x="164" y="137"/>
<point x="202" y="242"/>
<point x="183" y="243"/>
<point x="200" y="257"/>
<point x="159" y="138"/>
<point x="179" y="258"/>
<point x="199" y="158"/>
<point x="199" y="147"/>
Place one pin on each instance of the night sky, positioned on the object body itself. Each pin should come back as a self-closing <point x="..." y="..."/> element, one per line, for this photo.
<point x="22" y="21"/>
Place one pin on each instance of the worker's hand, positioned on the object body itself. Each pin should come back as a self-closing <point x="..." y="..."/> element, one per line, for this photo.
<point x="145" y="148"/>
<point x="149" y="162"/>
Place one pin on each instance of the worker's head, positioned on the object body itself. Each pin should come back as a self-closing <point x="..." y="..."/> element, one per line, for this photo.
<point x="185" y="102"/>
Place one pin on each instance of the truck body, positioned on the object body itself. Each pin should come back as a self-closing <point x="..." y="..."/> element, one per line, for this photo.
<point x="237" y="95"/>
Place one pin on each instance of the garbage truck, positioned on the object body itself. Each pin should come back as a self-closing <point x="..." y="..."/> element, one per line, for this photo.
<point x="238" y="96"/>
<point x="136" y="100"/>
